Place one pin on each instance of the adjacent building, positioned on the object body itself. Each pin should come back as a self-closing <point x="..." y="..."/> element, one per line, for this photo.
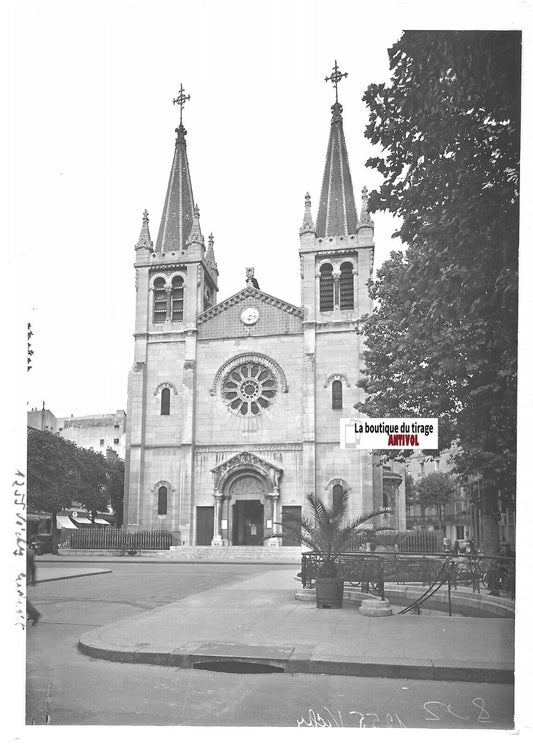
<point x="101" y="432"/>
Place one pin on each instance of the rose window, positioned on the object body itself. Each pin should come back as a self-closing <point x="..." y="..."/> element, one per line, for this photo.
<point x="248" y="389"/>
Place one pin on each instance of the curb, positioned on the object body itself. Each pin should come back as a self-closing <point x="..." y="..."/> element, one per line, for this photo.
<point x="75" y="576"/>
<point x="167" y="562"/>
<point x="295" y="661"/>
<point x="473" y="604"/>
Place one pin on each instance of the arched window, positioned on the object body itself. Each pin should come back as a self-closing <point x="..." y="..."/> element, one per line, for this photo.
<point x="336" y="395"/>
<point x="160" y="300"/>
<point x="385" y="500"/>
<point x="176" y="298"/>
<point x="326" y="287"/>
<point x="338" y="491"/>
<point x="162" y="500"/>
<point x="165" y="402"/>
<point x="346" y="286"/>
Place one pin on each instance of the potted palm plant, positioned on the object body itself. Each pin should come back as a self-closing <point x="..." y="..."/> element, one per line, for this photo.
<point x="329" y="534"/>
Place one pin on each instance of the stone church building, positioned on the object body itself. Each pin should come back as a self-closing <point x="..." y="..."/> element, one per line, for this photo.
<point x="234" y="406"/>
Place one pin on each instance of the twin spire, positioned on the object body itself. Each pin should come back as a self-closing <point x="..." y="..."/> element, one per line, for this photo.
<point x="337" y="213"/>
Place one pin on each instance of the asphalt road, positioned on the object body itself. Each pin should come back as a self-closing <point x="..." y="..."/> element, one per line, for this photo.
<point x="65" y="687"/>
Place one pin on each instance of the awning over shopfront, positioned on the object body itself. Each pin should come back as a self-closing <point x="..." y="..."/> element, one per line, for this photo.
<point x="99" y="520"/>
<point x="65" y="523"/>
<point x="82" y="520"/>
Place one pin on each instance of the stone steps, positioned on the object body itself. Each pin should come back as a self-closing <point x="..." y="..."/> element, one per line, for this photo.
<point x="236" y="553"/>
<point x="207" y="553"/>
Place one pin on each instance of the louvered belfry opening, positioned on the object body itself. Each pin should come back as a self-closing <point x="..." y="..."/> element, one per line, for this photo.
<point x="346" y="286"/>
<point x="177" y="298"/>
<point x="160" y="301"/>
<point x="326" y="288"/>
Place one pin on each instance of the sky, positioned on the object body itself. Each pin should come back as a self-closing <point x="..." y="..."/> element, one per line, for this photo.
<point x="91" y="132"/>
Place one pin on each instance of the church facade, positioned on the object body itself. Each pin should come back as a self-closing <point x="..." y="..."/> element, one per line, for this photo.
<point x="234" y="407"/>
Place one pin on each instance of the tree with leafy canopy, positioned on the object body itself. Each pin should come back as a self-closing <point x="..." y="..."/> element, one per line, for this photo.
<point x="92" y="487"/>
<point x="60" y="473"/>
<point x="442" y="339"/>
<point x="115" y="488"/>
<point x="52" y="475"/>
<point x="434" y="491"/>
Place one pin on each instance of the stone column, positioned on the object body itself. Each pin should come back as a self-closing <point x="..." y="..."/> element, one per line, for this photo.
<point x="217" y="537"/>
<point x="274" y="497"/>
<point x="336" y="289"/>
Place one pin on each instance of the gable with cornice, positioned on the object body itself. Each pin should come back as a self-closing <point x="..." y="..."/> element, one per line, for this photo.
<point x="275" y="317"/>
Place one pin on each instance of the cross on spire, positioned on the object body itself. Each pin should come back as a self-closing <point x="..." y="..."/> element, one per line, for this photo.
<point x="181" y="100"/>
<point x="335" y="77"/>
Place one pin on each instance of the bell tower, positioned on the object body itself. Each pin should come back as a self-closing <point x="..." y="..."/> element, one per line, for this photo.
<point x="176" y="279"/>
<point x="336" y="257"/>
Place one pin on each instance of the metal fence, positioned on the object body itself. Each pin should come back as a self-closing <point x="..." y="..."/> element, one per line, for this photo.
<point x="416" y="541"/>
<point x="422" y="541"/>
<point x="110" y="539"/>
<point x="371" y="570"/>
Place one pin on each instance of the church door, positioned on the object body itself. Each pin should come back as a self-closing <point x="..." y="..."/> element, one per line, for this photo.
<point x="247" y="523"/>
<point x="205" y="522"/>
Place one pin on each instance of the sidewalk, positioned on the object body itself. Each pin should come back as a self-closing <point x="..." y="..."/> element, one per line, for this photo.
<point x="259" y="620"/>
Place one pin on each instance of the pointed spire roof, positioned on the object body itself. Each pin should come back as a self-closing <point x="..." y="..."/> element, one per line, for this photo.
<point x="365" y="218"/>
<point x="210" y="255"/>
<point x="195" y="235"/>
<point x="337" y="214"/>
<point x="145" y="241"/>
<point x="308" y="226"/>
<point x="178" y="210"/>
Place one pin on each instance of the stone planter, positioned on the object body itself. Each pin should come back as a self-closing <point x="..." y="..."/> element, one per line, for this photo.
<point x="329" y="593"/>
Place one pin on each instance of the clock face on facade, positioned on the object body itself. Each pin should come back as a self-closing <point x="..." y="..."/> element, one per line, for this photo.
<point x="250" y="315"/>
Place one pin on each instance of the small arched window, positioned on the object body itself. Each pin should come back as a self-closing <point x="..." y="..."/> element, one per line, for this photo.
<point x="336" y="395"/>
<point x="162" y="500"/>
<point x="385" y="500"/>
<point x="177" y="298"/>
<point x="165" y="402"/>
<point x="326" y="287"/>
<point x="346" y="286"/>
<point x="338" y="491"/>
<point x="160" y="300"/>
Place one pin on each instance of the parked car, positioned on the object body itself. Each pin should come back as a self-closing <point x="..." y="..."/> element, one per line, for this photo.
<point x="465" y="547"/>
<point x="41" y="543"/>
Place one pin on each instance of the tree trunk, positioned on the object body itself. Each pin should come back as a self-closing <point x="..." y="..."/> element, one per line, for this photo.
<point x="490" y="517"/>
<point x="54" y="534"/>
<point x="490" y="534"/>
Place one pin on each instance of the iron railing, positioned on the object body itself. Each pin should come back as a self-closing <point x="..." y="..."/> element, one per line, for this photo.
<point x="371" y="571"/>
<point x="111" y="539"/>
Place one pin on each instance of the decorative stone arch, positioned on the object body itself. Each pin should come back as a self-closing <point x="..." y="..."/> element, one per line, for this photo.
<point x="337" y="482"/>
<point x="163" y="401"/>
<point x="225" y="474"/>
<point x="241" y="467"/>
<point x="337" y="376"/>
<point x="155" y="499"/>
<point x="169" y="385"/>
<point x="174" y="274"/>
<point x="336" y="485"/>
<point x="159" y="275"/>
<point x="326" y="260"/>
<point x="249" y="358"/>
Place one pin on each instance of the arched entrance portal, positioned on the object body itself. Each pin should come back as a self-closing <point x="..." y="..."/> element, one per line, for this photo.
<point x="247" y="499"/>
<point x="246" y="494"/>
